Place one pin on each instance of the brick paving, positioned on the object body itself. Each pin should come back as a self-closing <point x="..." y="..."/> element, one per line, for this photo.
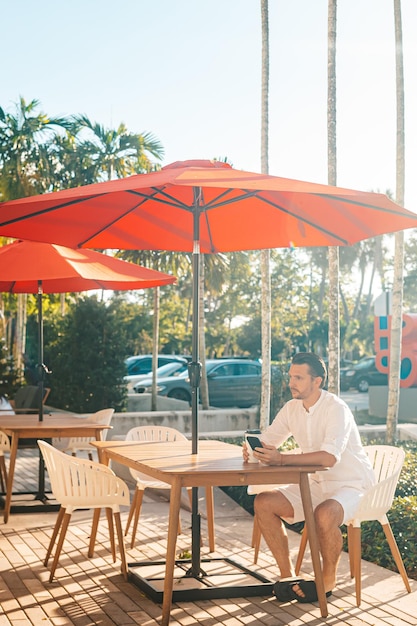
<point x="88" y="592"/>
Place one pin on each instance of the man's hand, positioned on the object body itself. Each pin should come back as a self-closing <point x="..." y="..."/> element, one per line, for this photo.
<point x="268" y="455"/>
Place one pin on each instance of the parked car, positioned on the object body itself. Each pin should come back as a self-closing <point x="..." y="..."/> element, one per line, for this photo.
<point x="231" y="383"/>
<point x="174" y="368"/>
<point x="362" y="375"/>
<point x="142" y="363"/>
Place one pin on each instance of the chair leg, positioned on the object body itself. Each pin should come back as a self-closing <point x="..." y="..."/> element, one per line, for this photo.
<point x="57" y="526"/>
<point x="139" y="501"/>
<point x="119" y="531"/>
<point x="256" y="539"/>
<point x="96" y="517"/>
<point x="301" y="550"/>
<point x="355" y="547"/>
<point x="3" y="473"/>
<point x="109" y="515"/>
<point x="132" y="510"/>
<point x="396" y="554"/>
<point x="350" y="551"/>
<point x="210" y="518"/>
<point x="64" y="528"/>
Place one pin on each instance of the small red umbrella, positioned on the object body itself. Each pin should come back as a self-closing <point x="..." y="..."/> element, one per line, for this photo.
<point x="34" y="267"/>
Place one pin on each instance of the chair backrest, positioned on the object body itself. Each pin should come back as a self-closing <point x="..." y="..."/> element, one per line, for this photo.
<point x="154" y="433"/>
<point x="104" y="416"/>
<point x="28" y="396"/>
<point x="79" y="482"/>
<point x="387" y="462"/>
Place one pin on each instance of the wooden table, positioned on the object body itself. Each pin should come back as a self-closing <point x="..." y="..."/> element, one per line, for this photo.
<point x="28" y="426"/>
<point x="216" y="464"/>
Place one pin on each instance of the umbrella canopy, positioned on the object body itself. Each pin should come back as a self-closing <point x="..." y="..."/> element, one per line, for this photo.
<point x="238" y="211"/>
<point x="24" y="263"/>
<point x="35" y="267"/>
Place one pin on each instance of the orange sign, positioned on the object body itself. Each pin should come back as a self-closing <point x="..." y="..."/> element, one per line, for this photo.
<point x="382" y="330"/>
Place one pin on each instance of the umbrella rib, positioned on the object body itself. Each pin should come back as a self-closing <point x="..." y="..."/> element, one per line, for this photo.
<point x="21" y="218"/>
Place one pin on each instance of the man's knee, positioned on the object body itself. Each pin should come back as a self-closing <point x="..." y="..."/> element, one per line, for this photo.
<point x="274" y="502"/>
<point x="328" y="514"/>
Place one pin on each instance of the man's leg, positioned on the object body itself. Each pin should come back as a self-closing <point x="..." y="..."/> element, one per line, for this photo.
<point x="329" y="517"/>
<point x="270" y="507"/>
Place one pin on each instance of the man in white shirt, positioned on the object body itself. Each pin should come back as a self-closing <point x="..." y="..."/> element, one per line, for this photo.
<point x="324" y="429"/>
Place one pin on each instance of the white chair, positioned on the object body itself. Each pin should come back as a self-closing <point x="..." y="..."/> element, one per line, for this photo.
<point x="160" y="433"/>
<point x="79" y="484"/>
<point x="82" y="444"/>
<point x="387" y="462"/>
<point x="4" y="448"/>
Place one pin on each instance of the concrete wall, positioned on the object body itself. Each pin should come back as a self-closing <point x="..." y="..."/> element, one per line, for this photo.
<point x="215" y="420"/>
<point x="378" y="402"/>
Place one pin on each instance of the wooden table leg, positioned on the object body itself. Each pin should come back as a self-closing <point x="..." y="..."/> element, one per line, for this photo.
<point x="9" y="486"/>
<point x="313" y="541"/>
<point x="174" y="512"/>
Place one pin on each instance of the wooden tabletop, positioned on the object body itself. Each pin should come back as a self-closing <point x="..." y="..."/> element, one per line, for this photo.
<point x="216" y="463"/>
<point x="30" y="426"/>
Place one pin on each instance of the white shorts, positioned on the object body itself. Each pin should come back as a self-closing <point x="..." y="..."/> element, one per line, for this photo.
<point x="347" y="497"/>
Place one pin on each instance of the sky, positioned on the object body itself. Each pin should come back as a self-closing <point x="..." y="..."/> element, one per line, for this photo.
<point x="189" y="72"/>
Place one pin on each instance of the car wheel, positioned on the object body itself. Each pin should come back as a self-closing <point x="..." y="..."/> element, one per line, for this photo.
<point x="363" y="385"/>
<point x="344" y="387"/>
<point x="180" y="394"/>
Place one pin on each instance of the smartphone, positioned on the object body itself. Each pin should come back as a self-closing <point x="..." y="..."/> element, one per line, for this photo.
<point x="254" y="441"/>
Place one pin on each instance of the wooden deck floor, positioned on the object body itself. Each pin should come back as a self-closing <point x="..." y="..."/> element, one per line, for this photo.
<point x="92" y="591"/>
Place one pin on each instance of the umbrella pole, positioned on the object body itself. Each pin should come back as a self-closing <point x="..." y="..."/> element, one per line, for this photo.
<point x="194" y="370"/>
<point x="40" y="350"/>
<point x="41" y="477"/>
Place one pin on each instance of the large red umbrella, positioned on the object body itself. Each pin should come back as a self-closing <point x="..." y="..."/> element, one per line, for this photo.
<point x="203" y="206"/>
<point x="34" y="267"/>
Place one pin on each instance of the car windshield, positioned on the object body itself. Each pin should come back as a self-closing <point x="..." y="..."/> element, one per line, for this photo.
<point x="171" y="369"/>
<point x="364" y="363"/>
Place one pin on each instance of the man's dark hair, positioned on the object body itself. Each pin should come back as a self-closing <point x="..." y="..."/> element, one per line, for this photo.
<point x="315" y="364"/>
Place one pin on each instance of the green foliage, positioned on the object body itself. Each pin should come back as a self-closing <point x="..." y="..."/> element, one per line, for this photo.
<point x="8" y="376"/>
<point x="87" y="359"/>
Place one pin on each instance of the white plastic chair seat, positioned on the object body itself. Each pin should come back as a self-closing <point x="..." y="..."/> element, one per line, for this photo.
<point x="4" y="448"/>
<point x="82" y="444"/>
<point x="80" y="483"/>
<point x="143" y="481"/>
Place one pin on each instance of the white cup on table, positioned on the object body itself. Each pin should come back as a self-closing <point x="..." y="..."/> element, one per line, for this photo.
<point x="251" y="458"/>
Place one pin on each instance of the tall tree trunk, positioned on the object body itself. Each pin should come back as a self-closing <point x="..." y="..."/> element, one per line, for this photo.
<point x="19" y="346"/>
<point x="265" y="254"/>
<point x="334" y="324"/>
<point x="397" y="291"/>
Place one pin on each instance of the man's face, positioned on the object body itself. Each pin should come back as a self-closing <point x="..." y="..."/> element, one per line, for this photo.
<point x="302" y="384"/>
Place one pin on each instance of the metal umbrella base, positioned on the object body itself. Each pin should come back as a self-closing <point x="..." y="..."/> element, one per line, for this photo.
<point x="219" y="578"/>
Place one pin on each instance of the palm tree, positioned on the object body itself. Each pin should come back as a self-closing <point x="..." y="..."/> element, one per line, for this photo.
<point x="397" y="290"/>
<point x="334" y="322"/>
<point x="117" y="153"/>
<point x="265" y="254"/>
<point x="25" y="163"/>
<point x="23" y="154"/>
